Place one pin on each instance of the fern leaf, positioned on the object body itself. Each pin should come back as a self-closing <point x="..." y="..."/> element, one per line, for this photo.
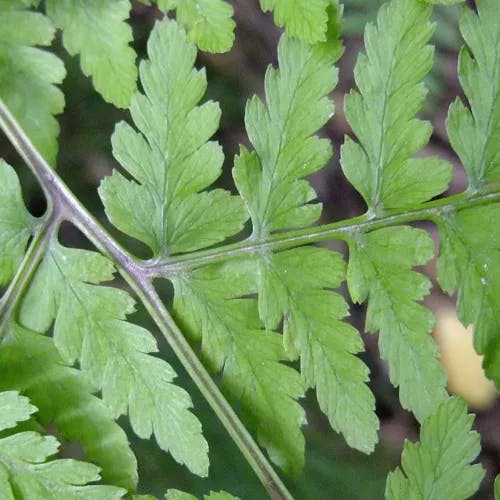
<point x="209" y="23"/>
<point x="96" y="30"/>
<point x="25" y="471"/>
<point x="90" y="326"/>
<point x="439" y="465"/>
<point x="470" y="260"/>
<point x="380" y="269"/>
<point x="30" y="363"/>
<point x="382" y="168"/>
<point x="16" y="223"/>
<point x="171" y="159"/>
<point x="296" y="285"/>
<point x="475" y="133"/>
<point x="381" y="115"/>
<point x="14" y="409"/>
<point x="232" y="341"/>
<point x="470" y="241"/>
<point x="270" y="179"/>
<point x="292" y="284"/>
<point x="303" y="19"/>
<point x="28" y="75"/>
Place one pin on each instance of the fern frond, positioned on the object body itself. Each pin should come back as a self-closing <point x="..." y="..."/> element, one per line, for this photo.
<point x="28" y="74"/>
<point x="380" y="270"/>
<point x="382" y="168"/>
<point x="270" y="179"/>
<point x="470" y="239"/>
<point x="97" y="31"/>
<point x="475" y="133"/>
<point x="209" y="23"/>
<point x="206" y="302"/>
<point x="389" y="77"/>
<point x="171" y="159"/>
<point x="293" y="285"/>
<point x="90" y="326"/>
<point x="304" y="19"/>
<point x="16" y="224"/>
<point x="30" y="363"/>
<point x="13" y="409"/>
<point x="25" y="471"/>
<point x="439" y="465"/>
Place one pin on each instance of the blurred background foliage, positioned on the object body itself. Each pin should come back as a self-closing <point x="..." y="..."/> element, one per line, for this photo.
<point x="332" y="469"/>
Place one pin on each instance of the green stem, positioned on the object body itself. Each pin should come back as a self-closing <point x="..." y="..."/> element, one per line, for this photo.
<point x="343" y="230"/>
<point x="70" y="208"/>
<point x="24" y="273"/>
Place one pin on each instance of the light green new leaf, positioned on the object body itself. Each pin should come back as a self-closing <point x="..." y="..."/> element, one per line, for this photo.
<point x="389" y="77"/>
<point x="209" y="23"/>
<point x="295" y="285"/>
<point x="30" y="363"/>
<point x="438" y="466"/>
<point x="469" y="259"/>
<point x="96" y="30"/>
<point x="13" y="409"/>
<point x="171" y="160"/>
<point x="270" y="179"/>
<point x="28" y="75"/>
<point x="497" y="488"/>
<point x="475" y="133"/>
<point x="303" y="19"/>
<point x="380" y="269"/>
<point x="90" y="326"/>
<point x="16" y="223"/>
<point x="22" y="467"/>
<point x="210" y="302"/>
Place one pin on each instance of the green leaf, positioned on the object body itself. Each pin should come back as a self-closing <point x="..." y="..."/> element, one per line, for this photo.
<point x="211" y="302"/>
<point x="497" y="488"/>
<point x="180" y="495"/>
<point x="28" y="75"/>
<point x="90" y="326"/>
<point x="439" y="465"/>
<point x="292" y="284"/>
<point x="469" y="259"/>
<point x="171" y="160"/>
<point x="381" y="167"/>
<point x="444" y="2"/>
<point x="22" y="469"/>
<point x="96" y="30"/>
<point x="270" y="179"/>
<point x="296" y="285"/>
<point x="380" y="270"/>
<point x="475" y="133"/>
<point x="209" y="23"/>
<point x="13" y="409"/>
<point x="16" y="223"/>
<point x="220" y="495"/>
<point x="22" y="457"/>
<point x="303" y="19"/>
<point x="29" y="362"/>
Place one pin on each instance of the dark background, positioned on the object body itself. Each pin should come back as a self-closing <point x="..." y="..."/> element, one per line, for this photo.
<point x="332" y="469"/>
